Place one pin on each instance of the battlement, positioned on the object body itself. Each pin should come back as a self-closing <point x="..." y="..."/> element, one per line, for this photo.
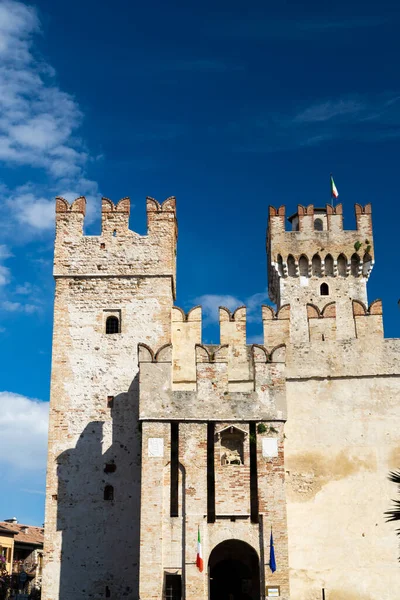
<point x="118" y="250"/>
<point x="321" y="324"/>
<point x="188" y="380"/>
<point x="211" y="395"/>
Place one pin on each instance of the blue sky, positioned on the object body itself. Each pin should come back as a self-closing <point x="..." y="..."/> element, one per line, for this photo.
<point x="228" y="107"/>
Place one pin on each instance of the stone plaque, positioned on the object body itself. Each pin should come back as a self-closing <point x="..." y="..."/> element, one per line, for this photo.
<point x="269" y="447"/>
<point x="156" y="447"/>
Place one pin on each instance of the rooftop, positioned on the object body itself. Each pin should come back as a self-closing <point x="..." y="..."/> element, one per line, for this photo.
<point x="26" y="534"/>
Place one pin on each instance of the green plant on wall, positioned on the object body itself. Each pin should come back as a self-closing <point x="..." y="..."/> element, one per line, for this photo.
<point x="262" y="428"/>
<point x="357" y="245"/>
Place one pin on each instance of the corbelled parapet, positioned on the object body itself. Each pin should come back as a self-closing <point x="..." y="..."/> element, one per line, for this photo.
<point x="317" y="245"/>
<point x="118" y="250"/>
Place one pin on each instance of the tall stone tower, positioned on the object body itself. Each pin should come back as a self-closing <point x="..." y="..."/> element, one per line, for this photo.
<point x="112" y="292"/>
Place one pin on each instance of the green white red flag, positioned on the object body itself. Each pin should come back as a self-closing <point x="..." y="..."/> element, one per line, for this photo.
<point x="199" y="558"/>
<point x="334" y="191"/>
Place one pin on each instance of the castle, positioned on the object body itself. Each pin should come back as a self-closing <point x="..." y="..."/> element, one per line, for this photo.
<point x="156" y="439"/>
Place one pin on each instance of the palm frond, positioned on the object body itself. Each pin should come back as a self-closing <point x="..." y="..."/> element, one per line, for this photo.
<point x="394" y="476"/>
<point x="394" y="514"/>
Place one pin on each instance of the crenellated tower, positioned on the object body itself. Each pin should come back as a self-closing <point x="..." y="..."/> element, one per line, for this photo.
<point x="112" y="291"/>
<point x="318" y="262"/>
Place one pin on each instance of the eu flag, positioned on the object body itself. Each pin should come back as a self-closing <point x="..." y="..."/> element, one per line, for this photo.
<point x="272" y="563"/>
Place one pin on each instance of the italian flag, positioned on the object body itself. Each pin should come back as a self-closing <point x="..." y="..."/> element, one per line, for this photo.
<point x="334" y="191"/>
<point x="199" y="558"/>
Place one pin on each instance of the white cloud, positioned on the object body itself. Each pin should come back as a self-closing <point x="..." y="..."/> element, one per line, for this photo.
<point x="4" y="271"/>
<point x="23" y="432"/>
<point x="211" y="302"/>
<point x="4" y="275"/>
<point x="330" y="110"/>
<point x="25" y="289"/>
<point x="29" y="309"/>
<point x="4" y="252"/>
<point x="38" y="123"/>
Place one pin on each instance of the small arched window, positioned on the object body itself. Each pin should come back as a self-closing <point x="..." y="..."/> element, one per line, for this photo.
<point x="109" y="493"/>
<point x="324" y="289"/>
<point x="112" y="325"/>
<point x="318" y="225"/>
<point x="303" y="266"/>
<point x="280" y="265"/>
<point x="291" y="266"/>
<point x="328" y="265"/>
<point x="367" y="263"/>
<point x="316" y="265"/>
<point x="355" y="263"/>
<point x="342" y="265"/>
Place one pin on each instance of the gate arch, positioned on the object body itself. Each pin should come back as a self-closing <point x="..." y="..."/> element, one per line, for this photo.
<point x="234" y="571"/>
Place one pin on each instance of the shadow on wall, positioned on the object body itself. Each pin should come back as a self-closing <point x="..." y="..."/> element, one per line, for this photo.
<point x="98" y="507"/>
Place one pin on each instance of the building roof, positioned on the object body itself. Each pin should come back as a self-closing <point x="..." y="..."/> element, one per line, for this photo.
<point x="6" y="531"/>
<point x="24" y="534"/>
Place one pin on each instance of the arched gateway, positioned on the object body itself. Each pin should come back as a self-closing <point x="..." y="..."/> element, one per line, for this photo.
<point x="234" y="572"/>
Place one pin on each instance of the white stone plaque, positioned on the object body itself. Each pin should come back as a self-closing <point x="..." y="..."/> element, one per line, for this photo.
<point x="269" y="447"/>
<point x="156" y="447"/>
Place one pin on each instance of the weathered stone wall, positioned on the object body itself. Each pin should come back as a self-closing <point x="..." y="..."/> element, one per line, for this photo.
<point x="92" y="544"/>
<point x="341" y="442"/>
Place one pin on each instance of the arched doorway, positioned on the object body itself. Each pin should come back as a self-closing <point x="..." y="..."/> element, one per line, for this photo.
<point x="234" y="572"/>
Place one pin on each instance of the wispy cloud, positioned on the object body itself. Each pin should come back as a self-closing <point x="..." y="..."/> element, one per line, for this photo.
<point x="4" y="271"/>
<point x="38" y="122"/>
<point x="328" y="110"/>
<point x="292" y="28"/>
<point x="36" y="492"/>
<point x="20" y="307"/>
<point x="352" y="117"/>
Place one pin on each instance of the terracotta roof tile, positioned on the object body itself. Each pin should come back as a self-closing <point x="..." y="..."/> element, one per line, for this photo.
<point x="27" y="534"/>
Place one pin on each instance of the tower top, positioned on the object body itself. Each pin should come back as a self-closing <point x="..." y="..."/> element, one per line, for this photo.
<point x="317" y="246"/>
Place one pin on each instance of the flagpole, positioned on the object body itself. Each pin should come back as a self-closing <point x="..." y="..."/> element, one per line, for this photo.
<point x="331" y="190"/>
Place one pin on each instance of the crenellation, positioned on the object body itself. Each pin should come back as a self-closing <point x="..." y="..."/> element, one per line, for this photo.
<point x="115" y="217"/>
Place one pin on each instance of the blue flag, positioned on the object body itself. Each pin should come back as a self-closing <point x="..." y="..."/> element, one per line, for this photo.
<point x="272" y="563"/>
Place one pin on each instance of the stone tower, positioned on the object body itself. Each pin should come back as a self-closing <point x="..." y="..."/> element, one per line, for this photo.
<point x="156" y="438"/>
<point x="122" y="283"/>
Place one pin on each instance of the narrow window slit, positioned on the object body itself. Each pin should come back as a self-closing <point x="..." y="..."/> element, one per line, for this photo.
<point x="210" y="473"/>
<point x="109" y="493"/>
<point x="253" y="474"/>
<point x="174" y="491"/>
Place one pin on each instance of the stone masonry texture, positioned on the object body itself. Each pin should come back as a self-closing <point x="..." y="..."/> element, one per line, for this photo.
<point x="304" y="427"/>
